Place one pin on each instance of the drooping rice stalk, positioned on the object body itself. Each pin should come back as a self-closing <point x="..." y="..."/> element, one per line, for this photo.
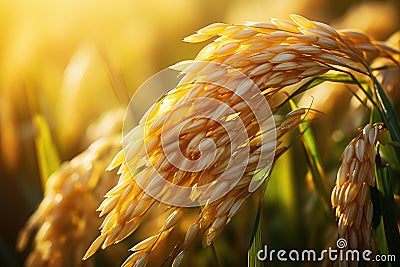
<point x="351" y="194"/>
<point x="127" y="203"/>
<point x="66" y="219"/>
<point x="245" y="62"/>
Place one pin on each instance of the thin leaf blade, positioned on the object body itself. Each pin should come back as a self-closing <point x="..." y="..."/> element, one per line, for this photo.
<point x="391" y="232"/>
<point x="317" y="171"/>
<point x="46" y="152"/>
<point x="256" y="243"/>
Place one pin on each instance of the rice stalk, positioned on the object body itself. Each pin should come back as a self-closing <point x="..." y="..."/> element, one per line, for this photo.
<point x="274" y="55"/>
<point x="66" y="220"/>
<point x="351" y="194"/>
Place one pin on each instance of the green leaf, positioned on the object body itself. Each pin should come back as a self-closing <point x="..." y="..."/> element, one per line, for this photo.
<point x="388" y="114"/>
<point x="341" y="78"/>
<point x="317" y="171"/>
<point x="387" y="233"/>
<point x="387" y="151"/>
<point x="256" y="243"/>
<point x="46" y="152"/>
<point x="308" y="85"/>
<point x="388" y="206"/>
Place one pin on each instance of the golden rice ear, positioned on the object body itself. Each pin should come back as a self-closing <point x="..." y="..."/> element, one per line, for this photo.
<point x="72" y="195"/>
<point x="350" y="195"/>
<point x="275" y="56"/>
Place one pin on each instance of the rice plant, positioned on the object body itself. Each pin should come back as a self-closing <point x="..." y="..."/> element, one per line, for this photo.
<point x="257" y="70"/>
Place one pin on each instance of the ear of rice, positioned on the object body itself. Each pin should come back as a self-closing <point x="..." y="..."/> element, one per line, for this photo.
<point x="350" y="196"/>
<point x="273" y="55"/>
<point x="66" y="216"/>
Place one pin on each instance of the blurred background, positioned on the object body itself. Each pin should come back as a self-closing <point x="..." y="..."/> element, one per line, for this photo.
<point x="71" y="61"/>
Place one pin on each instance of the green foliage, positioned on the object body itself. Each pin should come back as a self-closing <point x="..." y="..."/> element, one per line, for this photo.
<point x="46" y="152"/>
<point x="387" y="232"/>
<point x="315" y="164"/>
<point x="391" y="232"/>
<point x="256" y="243"/>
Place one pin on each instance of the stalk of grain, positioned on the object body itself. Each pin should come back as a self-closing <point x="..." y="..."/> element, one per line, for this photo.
<point x="351" y="194"/>
<point x="61" y="220"/>
<point x="274" y="56"/>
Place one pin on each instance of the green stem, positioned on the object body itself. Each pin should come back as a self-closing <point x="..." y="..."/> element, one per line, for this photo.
<point x="255" y="240"/>
<point x="388" y="114"/>
<point x="318" y="174"/>
<point x="215" y="255"/>
<point x="388" y="207"/>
